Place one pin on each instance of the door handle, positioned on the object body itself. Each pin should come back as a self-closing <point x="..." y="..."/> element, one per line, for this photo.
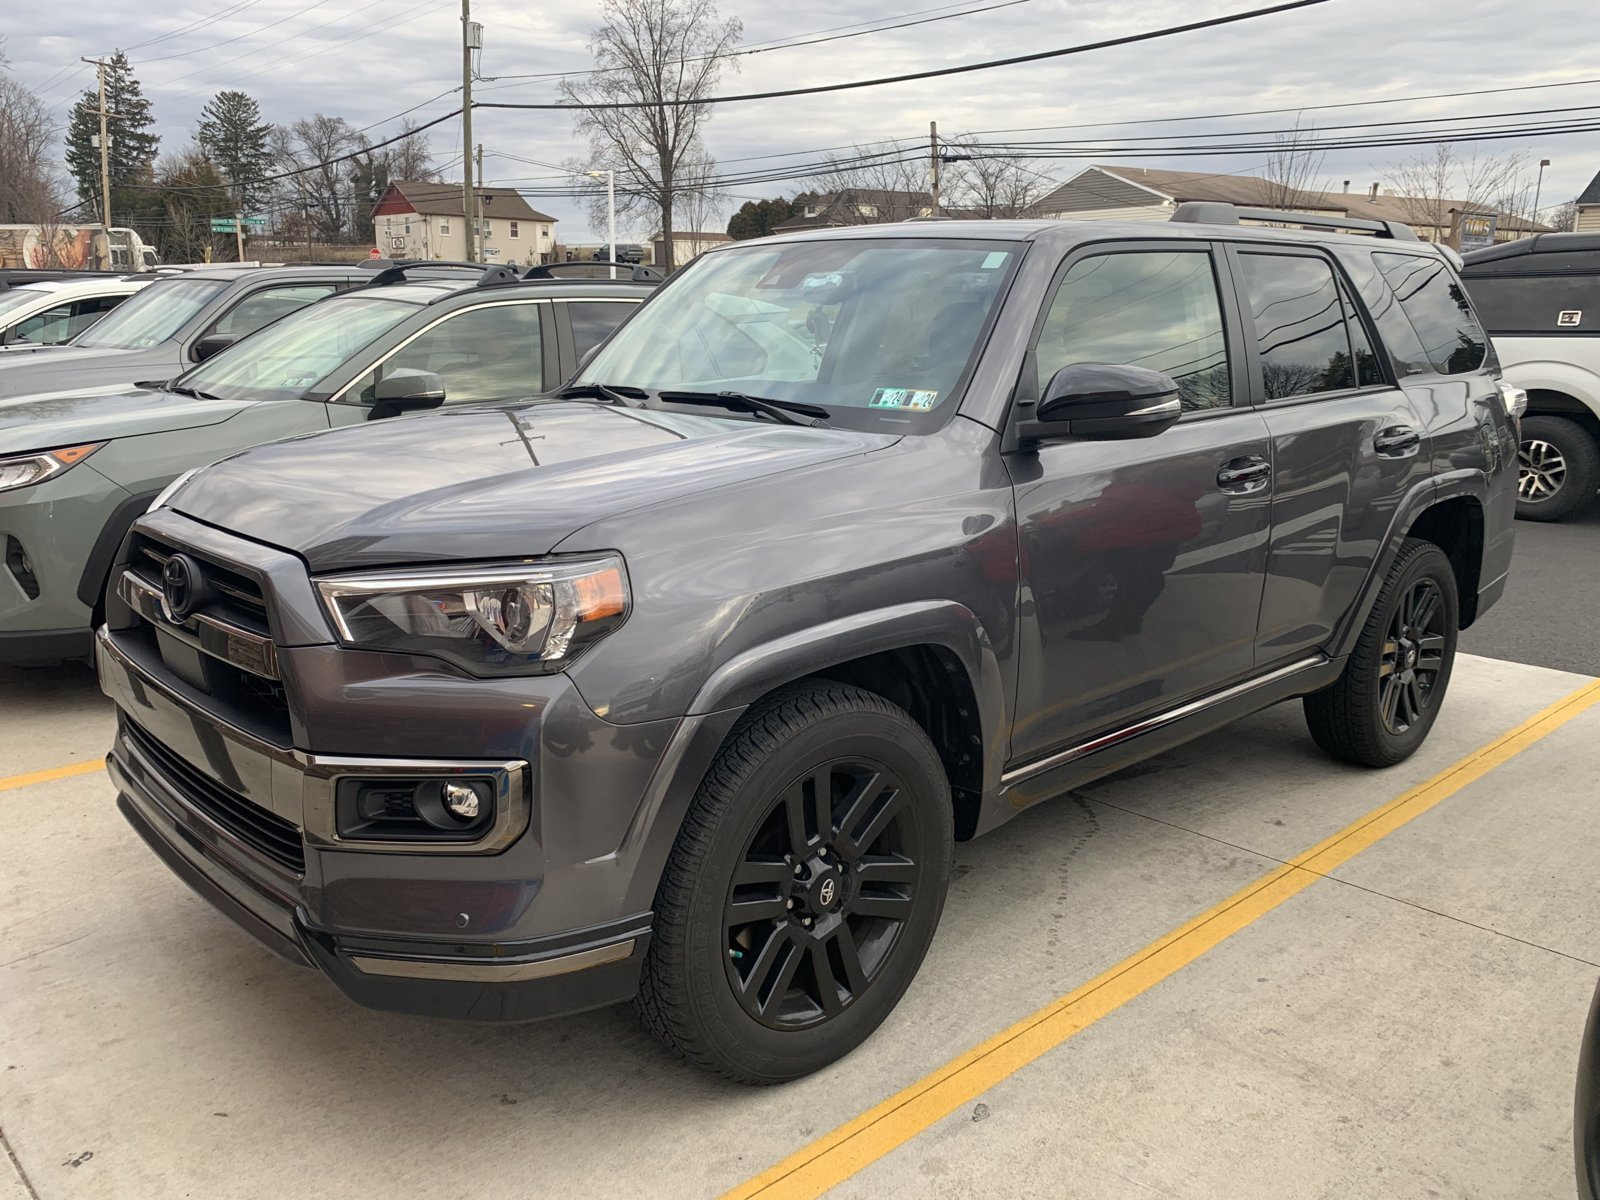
<point x="1397" y="440"/>
<point x="1241" y="476"/>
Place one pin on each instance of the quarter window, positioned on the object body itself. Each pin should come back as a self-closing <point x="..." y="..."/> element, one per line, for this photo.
<point x="1155" y="309"/>
<point x="1432" y="298"/>
<point x="592" y="321"/>
<point x="492" y="352"/>
<point x="1299" y="325"/>
<point x="261" y="308"/>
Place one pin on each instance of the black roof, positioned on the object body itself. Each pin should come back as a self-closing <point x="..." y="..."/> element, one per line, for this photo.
<point x="1542" y="253"/>
<point x="1591" y="194"/>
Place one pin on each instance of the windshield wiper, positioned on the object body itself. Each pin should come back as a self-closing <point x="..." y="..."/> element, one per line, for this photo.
<point x="602" y="391"/>
<point x="790" y="412"/>
<point x="196" y="393"/>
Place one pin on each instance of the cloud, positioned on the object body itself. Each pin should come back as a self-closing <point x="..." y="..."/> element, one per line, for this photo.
<point x="370" y="61"/>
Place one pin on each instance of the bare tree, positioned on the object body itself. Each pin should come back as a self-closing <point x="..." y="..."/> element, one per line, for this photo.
<point x="990" y="187"/>
<point x="875" y="182"/>
<point x="665" y="57"/>
<point x="1433" y="182"/>
<point x="1562" y="217"/>
<point x="702" y="205"/>
<point x="30" y="189"/>
<point x="325" y="188"/>
<point x="1294" y="167"/>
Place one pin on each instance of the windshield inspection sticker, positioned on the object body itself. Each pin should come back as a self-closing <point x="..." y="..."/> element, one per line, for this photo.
<point x="920" y="401"/>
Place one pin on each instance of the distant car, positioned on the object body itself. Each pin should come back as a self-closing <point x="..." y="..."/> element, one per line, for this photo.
<point x="50" y="312"/>
<point x="171" y="325"/>
<point x="1540" y="299"/>
<point x="1586" y="1112"/>
<point x="627" y="252"/>
<point x="76" y="470"/>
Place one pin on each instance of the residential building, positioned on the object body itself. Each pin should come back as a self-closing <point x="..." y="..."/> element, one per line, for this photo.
<point x="1589" y="208"/>
<point x="1118" y="193"/>
<point x="857" y="206"/>
<point x="685" y="245"/>
<point x="426" y="220"/>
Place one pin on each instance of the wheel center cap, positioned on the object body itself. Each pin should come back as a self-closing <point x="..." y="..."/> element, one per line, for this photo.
<point x="822" y="891"/>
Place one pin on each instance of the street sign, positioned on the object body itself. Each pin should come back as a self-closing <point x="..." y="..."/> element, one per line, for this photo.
<point x="255" y="222"/>
<point x="221" y="224"/>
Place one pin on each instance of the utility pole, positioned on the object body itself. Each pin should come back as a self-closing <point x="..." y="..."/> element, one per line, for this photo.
<point x="471" y="39"/>
<point x="105" y="158"/>
<point x="933" y="143"/>
<point x="480" y="195"/>
<point x="238" y="231"/>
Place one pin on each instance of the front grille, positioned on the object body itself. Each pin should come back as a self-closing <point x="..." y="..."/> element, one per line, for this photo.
<point x="246" y="820"/>
<point x="240" y="600"/>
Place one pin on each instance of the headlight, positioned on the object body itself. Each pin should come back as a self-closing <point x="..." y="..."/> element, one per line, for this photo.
<point x="25" y="470"/>
<point x="500" y="620"/>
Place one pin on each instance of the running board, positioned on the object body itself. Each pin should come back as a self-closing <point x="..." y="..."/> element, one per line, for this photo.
<point x="1116" y="737"/>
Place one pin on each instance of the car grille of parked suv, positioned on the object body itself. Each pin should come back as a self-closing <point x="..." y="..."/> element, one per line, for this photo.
<point x="247" y="821"/>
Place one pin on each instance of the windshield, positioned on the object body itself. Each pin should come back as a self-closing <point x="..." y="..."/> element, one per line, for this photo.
<point x="295" y="352"/>
<point x="151" y="315"/>
<point x="21" y="297"/>
<point x="876" y="330"/>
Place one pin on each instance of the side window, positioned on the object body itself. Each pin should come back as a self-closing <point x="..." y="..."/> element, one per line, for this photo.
<point x="1299" y="325"/>
<point x="1148" y="308"/>
<point x="1368" y="373"/>
<point x="1431" y="297"/>
<point x="492" y="352"/>
<point x="262" y="308"/>
<point x="1400" y="340"/>
<point x="593" y="320"/>
<point x="47" y="328"/>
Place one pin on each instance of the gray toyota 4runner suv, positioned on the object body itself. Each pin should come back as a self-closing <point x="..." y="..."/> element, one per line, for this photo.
<point x="681" y="685"/>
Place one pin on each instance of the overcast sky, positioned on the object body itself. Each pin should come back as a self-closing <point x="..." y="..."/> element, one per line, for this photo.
<point x="366" y="60"/>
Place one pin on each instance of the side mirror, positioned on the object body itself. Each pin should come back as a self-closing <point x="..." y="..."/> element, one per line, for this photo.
<point x="212" y="344"/>
<point x="405" y="390"/>
<point x="1102" y="401"/>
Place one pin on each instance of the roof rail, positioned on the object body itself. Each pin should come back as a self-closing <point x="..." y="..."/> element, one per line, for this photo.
<point x="1213" y="212"/>
<point x="395" y="272"/>
<point x="638" y="272"/>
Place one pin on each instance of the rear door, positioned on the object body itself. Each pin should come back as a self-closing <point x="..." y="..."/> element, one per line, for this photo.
<point x="1347" y="442"/>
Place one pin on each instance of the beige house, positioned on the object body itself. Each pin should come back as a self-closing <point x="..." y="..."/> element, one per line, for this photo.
<point x="425" y="220"/>
<point x="1589" y="209"/>
<point x="685" y="245"/>
<point x="1431" y="219"/>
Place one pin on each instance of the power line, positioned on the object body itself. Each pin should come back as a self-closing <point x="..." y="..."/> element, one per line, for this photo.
<point x="1126" y="40"/>
<point x="145" y="62"/>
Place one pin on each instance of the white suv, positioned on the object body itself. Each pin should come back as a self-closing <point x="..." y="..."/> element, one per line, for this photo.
<point x="50" y="312"/>
<point x="1540" y="299"/>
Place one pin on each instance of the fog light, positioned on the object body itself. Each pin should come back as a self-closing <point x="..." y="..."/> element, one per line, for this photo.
<point x="461" y="800"/>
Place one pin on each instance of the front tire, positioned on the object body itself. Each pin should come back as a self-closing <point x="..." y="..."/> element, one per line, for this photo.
<point x="1389" y="693"/>
<point x="1558" y="468"/>
<point x="804" y="888"/>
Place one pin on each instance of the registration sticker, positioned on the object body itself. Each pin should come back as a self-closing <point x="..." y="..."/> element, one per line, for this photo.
<point x="920" y="401"/>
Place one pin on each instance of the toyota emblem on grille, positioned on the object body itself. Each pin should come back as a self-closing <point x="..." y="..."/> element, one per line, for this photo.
<point x="181" y="588"/>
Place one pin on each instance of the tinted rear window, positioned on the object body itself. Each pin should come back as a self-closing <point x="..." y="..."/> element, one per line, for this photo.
<point x="1546" y="304"/>
<point x="1431" y="296"/>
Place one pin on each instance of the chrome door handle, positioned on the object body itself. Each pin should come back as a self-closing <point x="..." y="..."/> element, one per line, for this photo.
<point x="1241" y="476"/>
<point x="1397" y="440"/>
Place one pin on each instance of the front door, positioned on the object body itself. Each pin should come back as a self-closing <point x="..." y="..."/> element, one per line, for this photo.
<point x="1142" y="559"/>
<point x="1347" y="444"/>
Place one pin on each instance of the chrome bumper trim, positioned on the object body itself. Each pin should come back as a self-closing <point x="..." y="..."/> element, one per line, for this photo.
<point x="245" y="649"/>
<point x="494" y="972"/>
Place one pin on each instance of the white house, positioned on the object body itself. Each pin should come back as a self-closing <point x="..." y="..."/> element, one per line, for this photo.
<point x="426" y="220"/>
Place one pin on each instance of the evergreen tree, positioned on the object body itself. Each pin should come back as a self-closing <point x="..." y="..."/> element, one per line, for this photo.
<point x="757" y="218"/>
<point x="236" y="139"/>
<point x="133" y="147"/>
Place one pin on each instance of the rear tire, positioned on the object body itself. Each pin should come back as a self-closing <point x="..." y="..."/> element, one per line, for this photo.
<point x="1389" y="693"/>
<point x="804" y="888"/>
<point x="1558" y="468"/>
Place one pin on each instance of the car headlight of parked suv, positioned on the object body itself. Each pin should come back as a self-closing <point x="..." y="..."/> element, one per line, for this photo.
<point x="514" y="619"/>
<point x="25" y="470"/>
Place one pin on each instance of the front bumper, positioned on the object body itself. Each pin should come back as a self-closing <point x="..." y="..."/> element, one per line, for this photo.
<point x="406" y="932"/>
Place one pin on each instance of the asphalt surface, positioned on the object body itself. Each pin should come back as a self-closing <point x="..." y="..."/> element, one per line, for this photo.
<point x="1550" y="614"/>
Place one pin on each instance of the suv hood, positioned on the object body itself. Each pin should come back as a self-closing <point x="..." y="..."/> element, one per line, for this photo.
<point x="488" y="482"/>
<point x="67" y="419"/>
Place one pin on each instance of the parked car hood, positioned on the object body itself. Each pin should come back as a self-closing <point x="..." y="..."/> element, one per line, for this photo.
<point x="487" y="483"/>
<point x="41" y="422"/>
<point x="59" y="368"/>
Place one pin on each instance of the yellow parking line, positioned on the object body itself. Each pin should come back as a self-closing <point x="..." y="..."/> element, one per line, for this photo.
<point x="83" y="768"/>
<point x="837" y="1156"/>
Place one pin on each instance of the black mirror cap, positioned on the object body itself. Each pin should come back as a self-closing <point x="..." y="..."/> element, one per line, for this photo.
<point x="1103" y="401"/>
<point x="406" y="390"/>
<point x="211" y="345"/>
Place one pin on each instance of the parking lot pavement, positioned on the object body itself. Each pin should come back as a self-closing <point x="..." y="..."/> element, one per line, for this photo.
<point x="1406" y="1026"/>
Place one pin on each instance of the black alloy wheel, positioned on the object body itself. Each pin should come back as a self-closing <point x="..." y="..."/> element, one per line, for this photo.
<point x="1413" y="657"/>
<point x="822" y="894"/>
<point x="804" y="887"/>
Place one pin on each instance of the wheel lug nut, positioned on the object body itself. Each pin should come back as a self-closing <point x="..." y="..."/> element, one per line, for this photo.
<point x="799" y="871"/>
<point x="788" y="903"/>
<point x="806" y="921"/>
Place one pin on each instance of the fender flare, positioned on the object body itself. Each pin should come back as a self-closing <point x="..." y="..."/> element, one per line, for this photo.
<point x="754" y="672"/>
<point x="103" y="554"/>
<point x="1471" y="482"/>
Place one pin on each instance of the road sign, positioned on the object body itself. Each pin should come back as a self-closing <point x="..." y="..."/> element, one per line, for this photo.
<point x="221" y="224"/>
<point x="255" y="222"/>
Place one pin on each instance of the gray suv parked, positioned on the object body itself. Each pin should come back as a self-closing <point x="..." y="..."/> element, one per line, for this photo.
<point x="681" y="685"/>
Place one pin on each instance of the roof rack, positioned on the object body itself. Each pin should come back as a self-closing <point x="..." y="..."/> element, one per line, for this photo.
<point x="638" y="272"/>
<point x="1213" y="212"/>
<point x="395" y="272"/>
